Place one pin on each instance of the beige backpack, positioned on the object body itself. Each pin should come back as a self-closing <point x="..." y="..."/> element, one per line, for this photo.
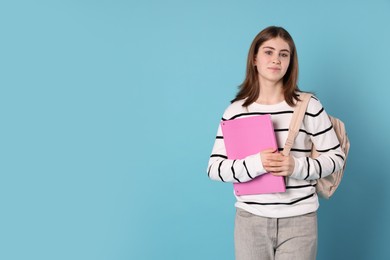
<point x="325" y="186"/>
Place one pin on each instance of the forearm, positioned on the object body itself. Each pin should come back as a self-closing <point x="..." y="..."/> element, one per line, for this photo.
<point x="222" y="169"/>
<point x="307" y="168"/>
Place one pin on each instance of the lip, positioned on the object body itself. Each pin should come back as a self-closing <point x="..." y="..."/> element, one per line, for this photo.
<point x="274" y="68"/>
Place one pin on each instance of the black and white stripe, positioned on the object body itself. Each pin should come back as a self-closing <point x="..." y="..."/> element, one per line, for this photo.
<point x="300" y="187"/>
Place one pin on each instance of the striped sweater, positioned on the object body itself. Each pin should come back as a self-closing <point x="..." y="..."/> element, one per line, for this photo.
<point x="300" y="196"/>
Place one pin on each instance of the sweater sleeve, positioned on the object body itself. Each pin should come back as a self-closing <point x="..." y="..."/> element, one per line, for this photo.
<point x="221" y="168"/>
<point x="322" y="135"/>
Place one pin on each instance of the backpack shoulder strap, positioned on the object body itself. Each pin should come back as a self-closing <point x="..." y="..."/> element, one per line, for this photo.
<point x="296" y="121"/>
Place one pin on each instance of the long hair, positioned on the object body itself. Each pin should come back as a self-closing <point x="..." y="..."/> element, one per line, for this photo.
<point x="249" y="89"/>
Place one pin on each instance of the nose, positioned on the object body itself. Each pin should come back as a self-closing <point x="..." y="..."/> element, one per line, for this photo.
<point x="276" y="60"/>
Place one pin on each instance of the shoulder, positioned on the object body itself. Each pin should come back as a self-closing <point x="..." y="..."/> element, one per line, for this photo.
<point x="316" y="116"/>
<point x="314" y="107"/>
<point x="234" y="109"/>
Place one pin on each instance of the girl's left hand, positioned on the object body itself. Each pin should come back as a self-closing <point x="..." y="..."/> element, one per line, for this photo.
<point x="279" y="165"/>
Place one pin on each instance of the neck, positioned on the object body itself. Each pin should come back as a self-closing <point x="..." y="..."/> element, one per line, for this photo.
<point x="270" y="93"/>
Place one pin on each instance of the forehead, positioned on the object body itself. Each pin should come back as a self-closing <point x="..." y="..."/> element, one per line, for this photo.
<point x="277" y="44"/>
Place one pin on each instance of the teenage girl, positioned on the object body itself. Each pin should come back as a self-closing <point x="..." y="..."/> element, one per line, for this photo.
<point x="279" y="225"/>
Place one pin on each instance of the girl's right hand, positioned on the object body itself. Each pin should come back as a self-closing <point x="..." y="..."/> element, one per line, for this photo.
<point x="265" y="156"/>
<point x="276" y="163"/>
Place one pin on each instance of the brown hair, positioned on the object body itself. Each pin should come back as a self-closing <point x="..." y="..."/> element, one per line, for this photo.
<point x="249" y="89"/>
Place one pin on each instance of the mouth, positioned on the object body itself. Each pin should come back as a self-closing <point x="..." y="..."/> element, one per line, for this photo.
<point x="274" y="69"/>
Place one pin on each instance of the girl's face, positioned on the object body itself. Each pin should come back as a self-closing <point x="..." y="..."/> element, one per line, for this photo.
<point x="272" y="60"/>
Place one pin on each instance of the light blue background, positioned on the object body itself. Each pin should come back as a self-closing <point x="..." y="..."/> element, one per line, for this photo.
<point x="109" y="110"/>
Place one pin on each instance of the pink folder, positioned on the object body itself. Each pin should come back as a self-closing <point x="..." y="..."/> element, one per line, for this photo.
<point x="247" y="136"/>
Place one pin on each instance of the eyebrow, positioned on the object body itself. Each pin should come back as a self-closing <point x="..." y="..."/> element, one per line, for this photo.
<point x="272" y="48"/>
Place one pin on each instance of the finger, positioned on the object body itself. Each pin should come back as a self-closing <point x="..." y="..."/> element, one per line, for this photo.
<point x="277" y="157"/>
<point x="274" y="169"/>
<point x="276" y="163"/>
<point x="283" y="173"/>
<point x="268" y="151"/>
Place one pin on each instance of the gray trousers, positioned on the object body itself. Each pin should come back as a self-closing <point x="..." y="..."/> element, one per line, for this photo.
<point x="259" y="238"/>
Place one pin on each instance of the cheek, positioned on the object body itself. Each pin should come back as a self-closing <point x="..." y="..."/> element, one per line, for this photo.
<point x="286" y="65"/>
<point x="262" y="62"/>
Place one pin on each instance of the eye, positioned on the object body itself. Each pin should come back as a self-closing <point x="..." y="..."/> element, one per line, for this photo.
<point x="268" y="52"/>
<point x="284" y="55"/>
